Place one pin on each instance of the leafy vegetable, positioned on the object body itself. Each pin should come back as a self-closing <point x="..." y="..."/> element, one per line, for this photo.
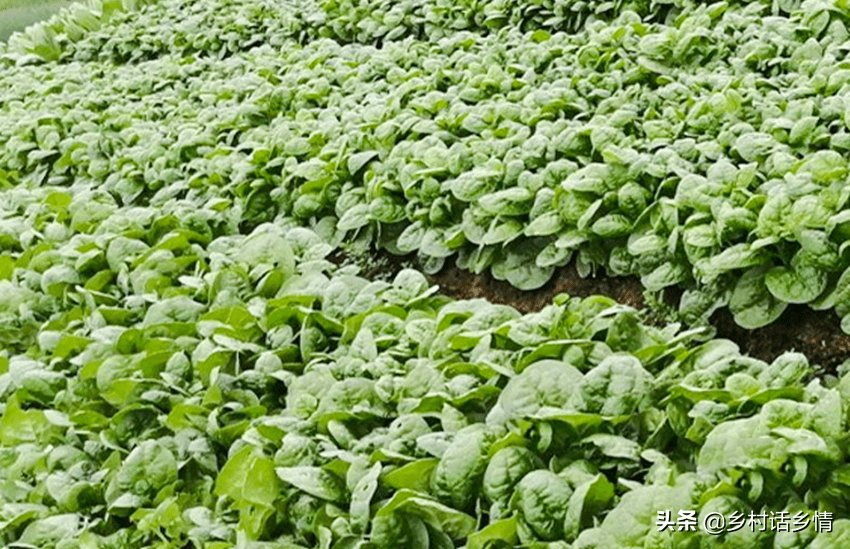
<point x="182" y="366"/>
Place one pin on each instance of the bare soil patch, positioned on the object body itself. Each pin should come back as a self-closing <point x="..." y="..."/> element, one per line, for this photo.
<point x="817" y="334"/>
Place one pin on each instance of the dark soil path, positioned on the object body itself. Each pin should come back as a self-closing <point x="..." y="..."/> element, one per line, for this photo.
<point x="817" y="334"/>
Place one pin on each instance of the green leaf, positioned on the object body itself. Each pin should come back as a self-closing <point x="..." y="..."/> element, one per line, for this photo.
<point x="751" y="303"/>
<point x="357" y="161"/>
<point x="801" y="283"/>
<point x="614" y="446"/>
<point x="739" y="256"/>
<point x="414" y="476"/>
<point x="547" y="224"/>
<point x="502" y="232"/>
<point x="618" y="385"/>
<point x="355" y="217"/>
<point x="454" y="523"/>
<point x="411" y="238"/>
<point x="506" y="468"/>
<point x="740" y="443"/>
<point x="20" y="426"/>
<point x="522" y="271"/>
<point x="314" y="481"/>
<point x="361" y="498"/>
<point x="835" y="538"/>
<point x="611" y="226"/>
<point x="665" y="275"/>
<point x="512" y="201"/>
<point x="503" y="530"/>
<point x="267" y="245"/>
<point x="249" y="477"/>
<point x="149" y="468"/>
<point x="753" y="146"/>
<point x="457" y="477"/>
<point x="553" y="256"/>
<point x="542" y="497"/>
<point x="588" y="500"/>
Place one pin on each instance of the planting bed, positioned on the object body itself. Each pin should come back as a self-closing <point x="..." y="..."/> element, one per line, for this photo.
<point x="380" y="274"/>
<point x="816" y="334"/>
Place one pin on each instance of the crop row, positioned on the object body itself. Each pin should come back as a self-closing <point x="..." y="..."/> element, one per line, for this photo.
<point x="180" y="365"/>
<point x="172" y="24"/>
<point x="194" y="387"/>
<point x="704" y="153"/>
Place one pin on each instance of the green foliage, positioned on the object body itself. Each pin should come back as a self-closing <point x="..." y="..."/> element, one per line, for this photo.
<point x="690" y="144"/>
<point x="181" y="366"/>
<point x="338" y="412"/>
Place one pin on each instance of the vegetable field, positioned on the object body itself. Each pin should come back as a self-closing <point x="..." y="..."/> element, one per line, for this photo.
<point x="373" y="274"/>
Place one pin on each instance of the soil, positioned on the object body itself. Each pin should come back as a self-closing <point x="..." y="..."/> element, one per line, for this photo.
<point x="817" y="334"/>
